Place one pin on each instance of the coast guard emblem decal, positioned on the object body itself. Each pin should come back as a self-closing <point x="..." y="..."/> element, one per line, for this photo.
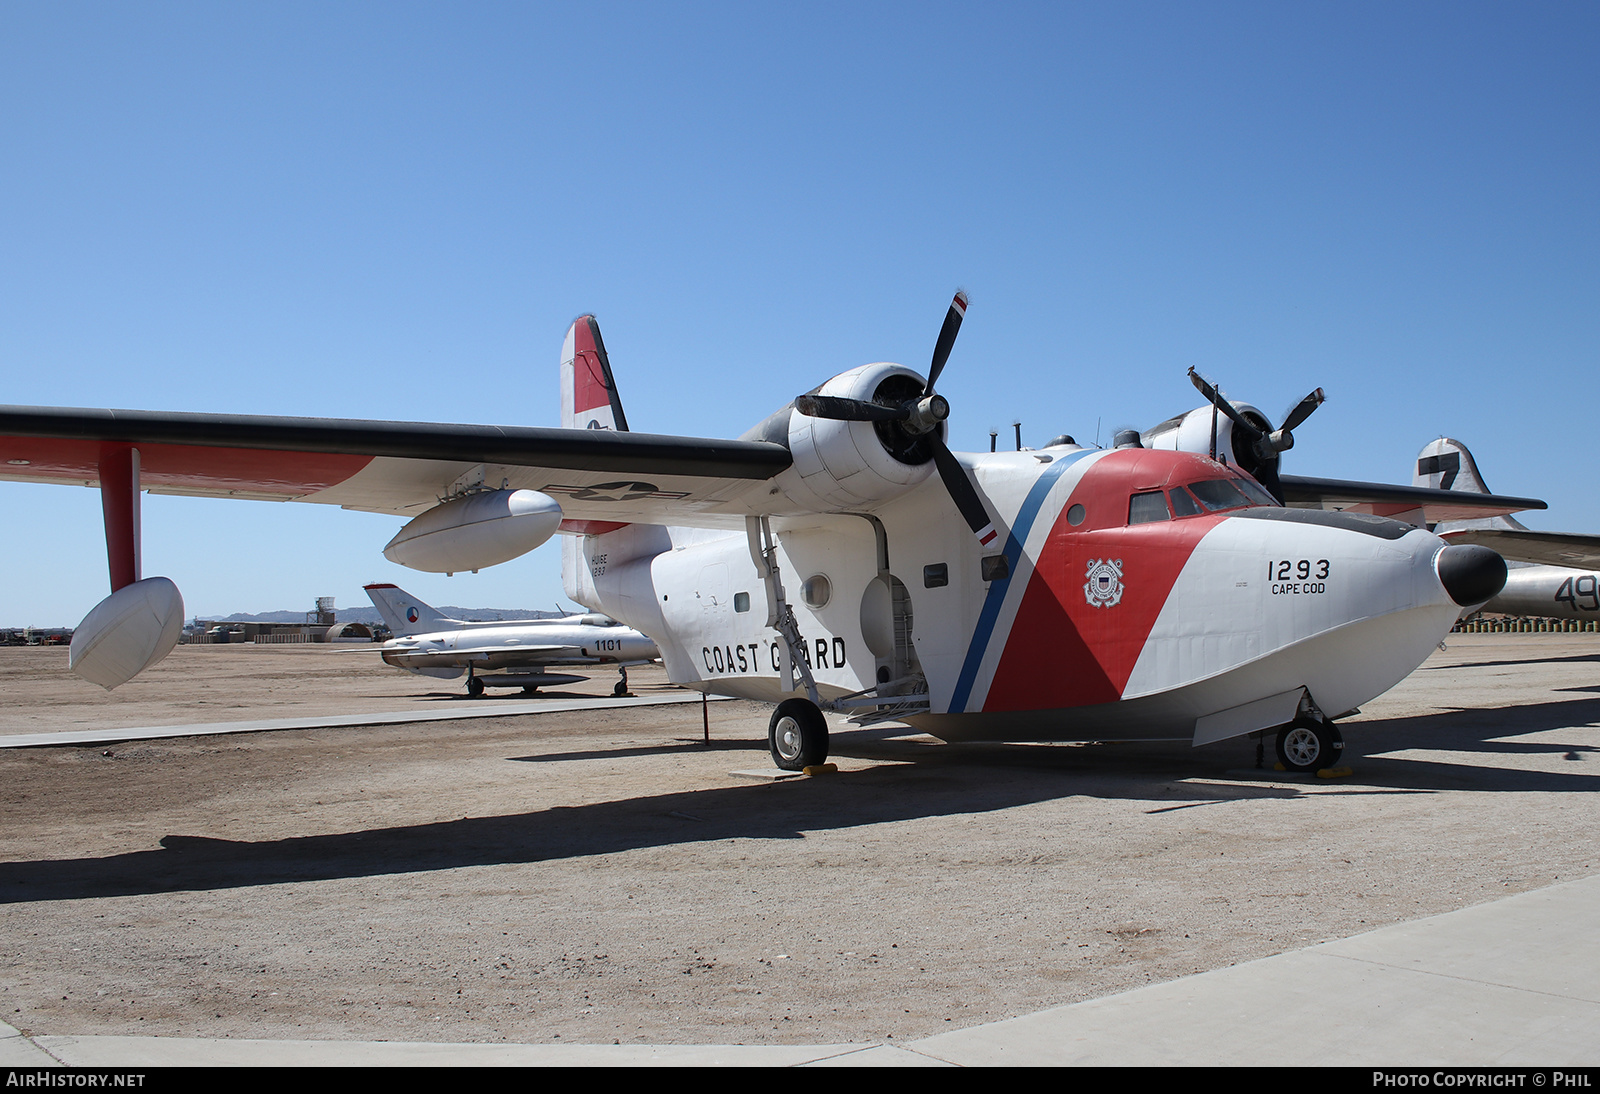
<point x="1104" y="587"/>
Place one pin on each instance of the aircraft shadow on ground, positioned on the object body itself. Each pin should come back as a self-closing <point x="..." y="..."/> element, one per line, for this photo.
<point x="920" y="779"/>
<point x="943" y="781"/>
<point x="683" y="746"/>
<point x="1577" y="658"/>
<point x="488" y="698"/>
<point x="1486" y="731"/>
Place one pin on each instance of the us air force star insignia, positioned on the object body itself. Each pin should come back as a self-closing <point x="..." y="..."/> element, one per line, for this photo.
<point x="1104" y="587"/>
<point x="615" y="491"/>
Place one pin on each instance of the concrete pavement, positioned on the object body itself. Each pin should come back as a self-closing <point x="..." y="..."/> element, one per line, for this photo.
<point x="1515" y="982"/>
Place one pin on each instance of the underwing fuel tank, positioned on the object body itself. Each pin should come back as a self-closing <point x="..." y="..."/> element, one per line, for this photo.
<point x="480" y="529"/>
<point x="127" y="632"/>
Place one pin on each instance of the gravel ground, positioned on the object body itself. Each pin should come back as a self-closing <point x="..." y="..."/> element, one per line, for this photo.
<point x="204" y="684"/>
<point x="605" y="877"/>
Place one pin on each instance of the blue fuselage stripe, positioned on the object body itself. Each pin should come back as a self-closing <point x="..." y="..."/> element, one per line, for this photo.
<point x="998" y="589"/>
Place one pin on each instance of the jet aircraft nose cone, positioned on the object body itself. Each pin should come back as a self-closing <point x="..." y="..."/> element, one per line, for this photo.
<point x="1469" y="573"/>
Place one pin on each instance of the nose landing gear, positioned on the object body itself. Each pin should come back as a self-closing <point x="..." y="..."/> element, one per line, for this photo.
<point x="1309" y="744"/>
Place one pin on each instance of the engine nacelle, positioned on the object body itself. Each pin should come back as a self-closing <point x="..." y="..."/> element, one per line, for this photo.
<point x="845" y="465"/>
<point x="1191" y="432"/>
<point x="127" y="632"/>
<point x="476" y="530"/>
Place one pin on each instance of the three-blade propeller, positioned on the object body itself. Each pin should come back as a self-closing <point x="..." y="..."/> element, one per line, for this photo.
<point x="918" y="419"/>
<point x="1265" y="444"/>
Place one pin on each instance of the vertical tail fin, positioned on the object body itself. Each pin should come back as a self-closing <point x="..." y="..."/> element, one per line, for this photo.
<point x="589" y="398"/>
<point x="405" y="614"/>
<point x="1446" y="464"/>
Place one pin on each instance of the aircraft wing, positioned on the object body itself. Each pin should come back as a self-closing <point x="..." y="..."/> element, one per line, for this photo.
<point x="1384" y="500"/>
<point x="1551" y="548"/>
<point x="404" y="468"/>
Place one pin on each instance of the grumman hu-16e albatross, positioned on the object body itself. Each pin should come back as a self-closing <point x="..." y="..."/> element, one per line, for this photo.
<point x="1157" y="590"/>
<point x="511" y="653"/>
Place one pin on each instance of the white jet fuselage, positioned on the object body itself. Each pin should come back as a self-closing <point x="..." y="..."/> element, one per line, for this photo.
<point x="484" y="647"/>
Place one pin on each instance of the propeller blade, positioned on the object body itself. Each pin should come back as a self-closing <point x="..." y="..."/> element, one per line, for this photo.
<point x="1302" y="410"/>
<point x="947" y="339"/>
<point x="963" y="493"/>
<point x="848" y="410"/>
<point x="1214" y="397"/>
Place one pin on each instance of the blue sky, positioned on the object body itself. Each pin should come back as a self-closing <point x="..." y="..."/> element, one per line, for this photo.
<point x="394" y="210"/>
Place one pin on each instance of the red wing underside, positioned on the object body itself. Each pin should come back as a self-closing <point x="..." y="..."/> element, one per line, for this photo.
<point x="181" y="467"/>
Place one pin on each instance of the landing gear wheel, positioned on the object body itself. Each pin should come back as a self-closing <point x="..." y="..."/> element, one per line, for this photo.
<point x="1307" y="745"/>
<point x="475" y="687"/>
<point x="798" y="735"/>
<point x="620" y="690"/>
<point x="530" y="690"/>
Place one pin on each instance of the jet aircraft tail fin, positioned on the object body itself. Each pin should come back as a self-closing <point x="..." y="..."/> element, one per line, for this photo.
<point x="405" y="614"/>
<point x="589" y="397"/>
<point x="1446" y="464"/>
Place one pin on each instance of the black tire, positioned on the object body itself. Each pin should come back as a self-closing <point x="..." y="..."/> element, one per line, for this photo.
<point x="797" y="736"/>
<point x="475" y="687"/>
<point x="1307" y="745"/>
<point x="530" y="691"/>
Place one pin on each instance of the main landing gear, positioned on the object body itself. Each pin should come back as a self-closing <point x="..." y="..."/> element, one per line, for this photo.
<point x="798" y="735"/>
<point x="620" y="690"/>
<point x="1309" y="744"/>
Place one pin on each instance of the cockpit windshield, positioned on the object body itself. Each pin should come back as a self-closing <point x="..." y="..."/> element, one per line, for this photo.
<point x="1203" y="496"/>
<point x="1258" y="494"/>
<point x="1217" y="494"/>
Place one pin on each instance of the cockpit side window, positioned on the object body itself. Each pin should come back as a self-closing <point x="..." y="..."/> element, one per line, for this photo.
<point x="1144" y="508"/>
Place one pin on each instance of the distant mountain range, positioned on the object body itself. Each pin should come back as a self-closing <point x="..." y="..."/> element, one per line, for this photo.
<point x="369" y="615"/>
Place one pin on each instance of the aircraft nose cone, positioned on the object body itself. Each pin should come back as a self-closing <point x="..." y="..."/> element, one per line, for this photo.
<point x="1469" y="573"/>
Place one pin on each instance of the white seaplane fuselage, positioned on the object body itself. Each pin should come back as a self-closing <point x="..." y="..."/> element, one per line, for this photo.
<point x="1075" y="624"/>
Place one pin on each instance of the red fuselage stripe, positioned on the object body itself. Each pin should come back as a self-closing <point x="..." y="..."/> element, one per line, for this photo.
<point x="1068" y="647"/>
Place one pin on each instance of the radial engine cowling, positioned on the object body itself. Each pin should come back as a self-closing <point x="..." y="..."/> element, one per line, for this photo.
<point x="1191" y="432"/>
<point x="845" y="464"/>
<point x="481" y="529"/>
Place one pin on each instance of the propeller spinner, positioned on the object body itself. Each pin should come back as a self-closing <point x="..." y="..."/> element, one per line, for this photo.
<point x="908" y="423"/>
